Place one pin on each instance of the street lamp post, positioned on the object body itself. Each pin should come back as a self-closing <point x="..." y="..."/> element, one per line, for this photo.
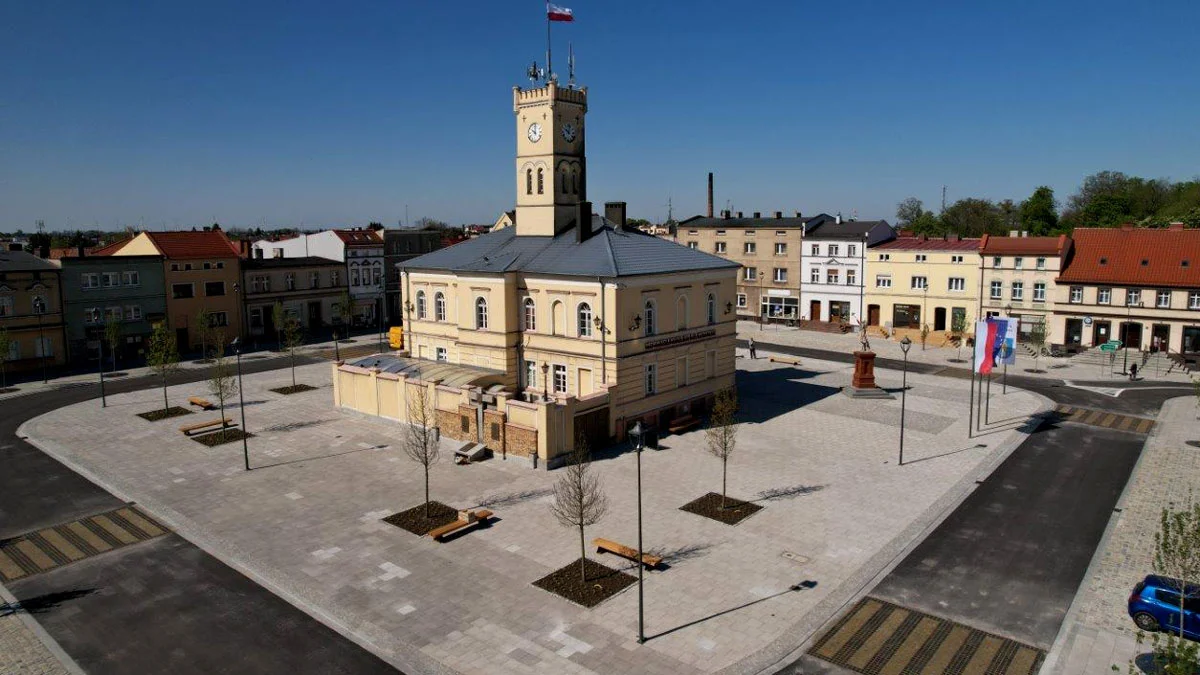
<point x="237" y="349"/>
<point x="545" y="381"/>
<point x="638" y="435"/>
<point x="39" y="308"/>
<point x="905" y="344"/>
<point x="103" y="401"/>
<point x="337" y="355"/>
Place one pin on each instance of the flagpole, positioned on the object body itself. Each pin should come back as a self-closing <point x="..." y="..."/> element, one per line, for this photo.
<point x="549" y="63"/>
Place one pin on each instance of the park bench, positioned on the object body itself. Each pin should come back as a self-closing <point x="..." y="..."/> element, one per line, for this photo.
<point x="602" y="545"/>
<point x="188" y="429"/>
<point x="202" y="403"/>
<point x="682" y="424"/>
<point x="465" y="519"/>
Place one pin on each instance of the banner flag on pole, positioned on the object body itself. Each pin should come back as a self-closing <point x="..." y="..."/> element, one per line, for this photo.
<point x="556" y="13"/>
<point x="1009" y="350"/>
<point x="985" y="342"/>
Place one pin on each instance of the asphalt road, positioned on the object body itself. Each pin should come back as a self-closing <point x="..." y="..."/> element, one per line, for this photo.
<point x="162" y="606"/>
<point x="1010" y="558"/>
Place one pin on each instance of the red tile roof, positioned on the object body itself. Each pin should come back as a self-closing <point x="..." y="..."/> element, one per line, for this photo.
<point x="922" y="244"/>
<point x="361" y="237"/>
<point x="1171" y="257"/>
<point x="1056" y="246"/>
<point x="192" y="245"/>
<point x="110" y="248"/>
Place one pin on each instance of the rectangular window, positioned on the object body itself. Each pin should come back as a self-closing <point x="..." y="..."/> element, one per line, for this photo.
<point x="957" y="284"/>
<point x="780" y="275"/>
<point x="1103" y="296"/>
<point x="651" y="378"/>
<point x="1039" y="291"/>
<point x="560" y="379"/>
<point x="710" y="364"/>
<point x="851" y="277"/>
<point x="218" y="319"/>
<point x="815" y="249"/>
<point x="749" y="248"/>
<point x="996" y="262"/>
<point x="1193" y="299"/>
<point x="852" y="250"/>
<point x="720" y="247"/>
<point x="1041" y="263"/>
<point x="1133" y="296"/>
<point x="885" y="256"/>
<point x="741" y="299"/>
<point x="181" y="291"/>
<point x="43" y="346"/>
<point x="256" y="316"/>
<point x="14" y="351"/>
<point x="720" y="233"/>
<point x="920" y="257"/>
<point x="131" y="278"/>
<point x="91" y="315"/>
<point x="111" y="279"/>
<point x="780" y="248"/>
<point x="531" y="374"/>
<point x="112" y="314"/>
<point x="335" y="278"/>
<point x="814" y="275"/>
<point x="997" y="291"/>
<point x="749" y="233"/>
<point x="174" y="267"/>
<point x="693" y="232"/>
<point x="693" y="245"/>
<point x="90" y="280"/>
<point x="883" y="281"/>
<point x="1018" y="289"/>
<point x="681" y="372"/>
<point x="919" y="283"/>
<point x="133" y="313"/>
<point x="1018" y="263"/>
<point x="440" y="354"/>
<point x="1162" y="299"/>
<point x="1077" y="295"/>
<point x="314" y="279"/>
<point x="956" y="258"/>
<point x="6" y="305"/>
<point x="212" y="288"/>
<point x="289" y="281"/>
<point x="750" y="273"/>
<point x="208" y="266"/>
<point x="831" y="276"/>
<point x="354" y="277"/>
<point x="834" y="249"/>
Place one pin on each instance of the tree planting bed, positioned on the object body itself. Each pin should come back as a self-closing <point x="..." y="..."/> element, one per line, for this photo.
<point x="414" y="520"/>
<point x="709" y="506"/>
<point x="602" y="582"/>
<point x="295" y="389"/>
<point x="222" y="437"/>
<point x="164" y="413"/>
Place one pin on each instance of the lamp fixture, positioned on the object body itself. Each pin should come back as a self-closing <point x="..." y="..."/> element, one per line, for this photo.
<point x="637" y="322"/>
<point x="728" y="307"/>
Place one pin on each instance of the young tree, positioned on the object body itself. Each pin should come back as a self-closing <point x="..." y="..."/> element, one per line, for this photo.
<point x="162" y="355"/>
<point x="6" y="343"/>
<point x="721" y="434"/>
<point x="579" y="498"/>
<point x="293" y="336"/>
<point x="279" y="318"/>
<point x="1036" y="337"/>
<point x="421" y="436"/>
<point x="345" y="310"/>
<point x="204" y="330"/>
<point x="222" y="380"/>
<point x="958" y="326"/>
<point x="112" y="335"/>
<point x="924" y="335"/>
<point x="1177" y="559"/>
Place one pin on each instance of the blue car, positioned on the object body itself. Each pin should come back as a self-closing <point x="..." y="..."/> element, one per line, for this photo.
<point x="1154" y="606"/>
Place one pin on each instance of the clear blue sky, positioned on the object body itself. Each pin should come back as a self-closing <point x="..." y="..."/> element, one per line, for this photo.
<point x="321" y="113"/>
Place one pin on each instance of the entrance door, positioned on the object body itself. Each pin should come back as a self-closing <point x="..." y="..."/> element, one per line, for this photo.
<point x="1131" y="334"/>
<point x="1101" y="332"/>
<point x="1074" y="331"/>
<point x="181" y="339"/>
<point x="814" y="310"/>
<point x="1191" y="340"/>
<point x="314" y="314"/>
<point x="872" y="315"/>
<point x="939" y="318"/>
<point x="839" y="311"/>
<point x="1160" y="337"/>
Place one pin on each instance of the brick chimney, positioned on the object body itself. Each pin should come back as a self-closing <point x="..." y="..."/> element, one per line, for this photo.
<point x="583" y="222"/>
<point x="710" y="195"/>
<point x="758" y="214"/>
<point x="615" y="213"/>
<point x="778" y="215"/>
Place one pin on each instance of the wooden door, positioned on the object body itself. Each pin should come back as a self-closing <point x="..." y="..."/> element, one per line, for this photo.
<point x="872" y="315"/>
<point x="814" y="310"/>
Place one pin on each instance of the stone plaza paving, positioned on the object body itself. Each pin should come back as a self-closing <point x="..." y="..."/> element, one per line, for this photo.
<point x="306" y="521"/>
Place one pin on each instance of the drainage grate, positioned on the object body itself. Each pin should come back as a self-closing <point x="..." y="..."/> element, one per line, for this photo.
<point x="877" y="637"/>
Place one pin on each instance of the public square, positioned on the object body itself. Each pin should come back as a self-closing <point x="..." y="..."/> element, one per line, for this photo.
<point x="306" y="521"/>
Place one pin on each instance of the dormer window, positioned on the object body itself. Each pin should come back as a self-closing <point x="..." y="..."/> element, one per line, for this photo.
<point x="1145" y="263"/>
<point x="1104" y="261"/>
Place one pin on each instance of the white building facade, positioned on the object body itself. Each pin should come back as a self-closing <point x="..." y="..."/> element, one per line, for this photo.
<point x="833" y="269"/>
<point x="362" y="251"/>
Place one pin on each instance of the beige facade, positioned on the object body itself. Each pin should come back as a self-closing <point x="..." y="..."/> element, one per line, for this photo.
<point x="914" y="282"/>
<point x="31" y="314"/>
<point x="310" y="290"/>
<point x="1018" y="277"/>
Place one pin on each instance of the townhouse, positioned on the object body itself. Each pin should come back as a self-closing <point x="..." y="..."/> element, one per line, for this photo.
<point x="1018" y="275"/>
<point x="98" y="289"/>
<point x="31" y="313"/>
<point x="919" y="282"/>
<point x="833" y="265"/>
<point x="310" y="290"/>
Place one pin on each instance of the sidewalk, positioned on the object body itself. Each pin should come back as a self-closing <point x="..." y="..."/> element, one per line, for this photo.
<point x="1098" y="632"/>
<point x="1082" y="367"/>
<point x="25" y="647"/>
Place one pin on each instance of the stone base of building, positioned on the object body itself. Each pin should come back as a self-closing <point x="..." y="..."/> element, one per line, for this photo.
<point x="866" y="392"/>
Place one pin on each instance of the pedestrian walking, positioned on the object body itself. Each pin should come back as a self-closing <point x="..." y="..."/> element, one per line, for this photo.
<point x="753" y="352"/>
<point x="1132" y="372"/>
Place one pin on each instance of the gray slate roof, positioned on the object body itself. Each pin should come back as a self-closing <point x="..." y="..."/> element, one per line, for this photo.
<point x="807" y="222"/>
<point x="609" y="252"/>
<point x="847" y="229"/>
<point x="20" y="261"/>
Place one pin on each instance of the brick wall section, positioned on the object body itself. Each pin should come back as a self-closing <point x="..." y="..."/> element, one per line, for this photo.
<point x="450" y="425"/>
<point x="494" y="431"/>
<point x="519" y="440"/>
<point x="471" y="434"/>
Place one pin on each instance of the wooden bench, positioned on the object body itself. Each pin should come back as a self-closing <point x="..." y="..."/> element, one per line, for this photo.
<point x="188" y="429"/>
<point x="681" y="424"/>
<point x="465" y="519"/>
<point x="602" y="545"/>
<point x="780" y="359"/>
<point x="201" y="403"/>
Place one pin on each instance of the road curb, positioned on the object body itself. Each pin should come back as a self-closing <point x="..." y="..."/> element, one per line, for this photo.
<point x="40" y="633"/>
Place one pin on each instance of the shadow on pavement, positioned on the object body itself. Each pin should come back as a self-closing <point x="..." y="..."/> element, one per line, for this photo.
<point x="766" y="394"/>
<point x="802" y="586"/>
<point x="776" y="494"/>
<point x="946" y="454"/>
<point x="43" y="603"/>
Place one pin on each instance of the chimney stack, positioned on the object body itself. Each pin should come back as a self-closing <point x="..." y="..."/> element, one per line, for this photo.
<point x="710" y="194"/>
<point x="778" y="215"/>
<point x="615" y="213"/>
<point x="798" y="214"/>
<point x="758" y="214"/>
<point x="583" y="221"/>
<point x="739" y="214"/>
<point x="81" y="250"/>
<point x="725" y="213"/>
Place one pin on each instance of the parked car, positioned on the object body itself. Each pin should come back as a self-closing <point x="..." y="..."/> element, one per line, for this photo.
<point x="1154" y="606"/>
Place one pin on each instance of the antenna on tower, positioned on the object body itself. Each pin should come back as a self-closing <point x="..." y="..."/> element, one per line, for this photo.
<point x="534" y="74"/>
<point x="571" y="65"/>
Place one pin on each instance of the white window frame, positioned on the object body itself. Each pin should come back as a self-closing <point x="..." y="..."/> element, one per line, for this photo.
<point x="1017" y="290"/>
<point x="749" y="248"/>
<point x="441" y="354"/>
<point x="481" y="313"/>
<point x="832" y="275"/>
<point x="583" y="319"/>
<point x="884" y="257"/>
<point x="956" y="258"/>
<point x="851" y="277"/>
<point x="918" y="283"/>
<point x="89" y="280"/>
<point x="921" y="257"/>
<point x="852" y="250"/>
<point x="997" y="262"/>
<point x="531" y="371"/>
<point x="957" y="284"/>
<point x="439" y="306"/>
<point x="1039" y="291"/>
<point x="814" y="275"/>
<point x="1076" y="297"/>
<point x="110" y="279"/>
<point x="780" y="275"/>
<point x="1040" y="263"/>
<point x="750" y="274"/>
<point x="529" y="314"/>
<point x="1193" y="299"/>
<point x="719" y="247"/>
<point x="996" y="290"/>
<point x="1132" y="296"/>
<point x="712" y="309"/>
<point x="741" y="300"/>
<point x="1103" y="296"/>
<point x="1158" y="299"/>
<point x="422" y="308"/>
<point x="559" y="374"/>
<point x="649" y="318"/>
<point x="1018" y="263"/>
<point x="883" y="281"/>
<point x="781" y="248"/>
<point x="834" y="249"/>
<point x="815" y="249"/>
<point x="693" y="245"/>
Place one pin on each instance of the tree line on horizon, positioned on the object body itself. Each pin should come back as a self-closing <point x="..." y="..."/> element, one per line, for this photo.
<point x="1105" y="199"/>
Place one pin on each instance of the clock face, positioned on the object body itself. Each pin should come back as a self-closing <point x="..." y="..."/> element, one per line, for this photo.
<point x="568" y="132"/>
<point x="535" y="132"/>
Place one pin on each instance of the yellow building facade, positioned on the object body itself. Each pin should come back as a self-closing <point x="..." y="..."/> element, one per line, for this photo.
<point x="914" y="282"/>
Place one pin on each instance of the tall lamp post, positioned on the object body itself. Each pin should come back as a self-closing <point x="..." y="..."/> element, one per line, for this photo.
<point x="379" y="319"/>
<point x="103" y="401"/>
<point x="638" y="436"/>
<point x="1125" y="338"/>
<point x="337" y="355"/>
<point x="237" y="349"/>
<point x="545" y="381"/>
<point x="39" y="308"/>
<point x="905" y="344"/>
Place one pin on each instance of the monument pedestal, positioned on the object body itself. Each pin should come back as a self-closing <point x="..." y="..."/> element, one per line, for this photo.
<point x="862" y="385"/>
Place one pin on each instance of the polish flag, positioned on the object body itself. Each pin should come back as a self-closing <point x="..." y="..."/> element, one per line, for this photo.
<point x="556" y="13"/>
<point x="985" y="342"/>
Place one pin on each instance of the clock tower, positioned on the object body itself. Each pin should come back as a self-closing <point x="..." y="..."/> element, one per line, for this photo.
<point x="551" y="168"/>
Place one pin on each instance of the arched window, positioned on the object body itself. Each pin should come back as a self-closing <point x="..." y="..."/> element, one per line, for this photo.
<point x="541" y="181"/>
<point x="649" y="324"/>
<point x="420" y="304"/>
<point x="575" y="182"/>
<point x="585" y="320"/>
<point x="528" y="181"/>
<point x="481" y="319"/>
<point x="681" y="313"/>
<point x="530" y="314"/>
<point x="439" y="306"/>
<point x="712" y="309"/>
<point x="556" y="318"/>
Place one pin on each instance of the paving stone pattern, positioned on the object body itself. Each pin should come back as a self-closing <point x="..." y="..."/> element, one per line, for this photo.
<point x="307" y="520"/>
<point x="21" y="651"/>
